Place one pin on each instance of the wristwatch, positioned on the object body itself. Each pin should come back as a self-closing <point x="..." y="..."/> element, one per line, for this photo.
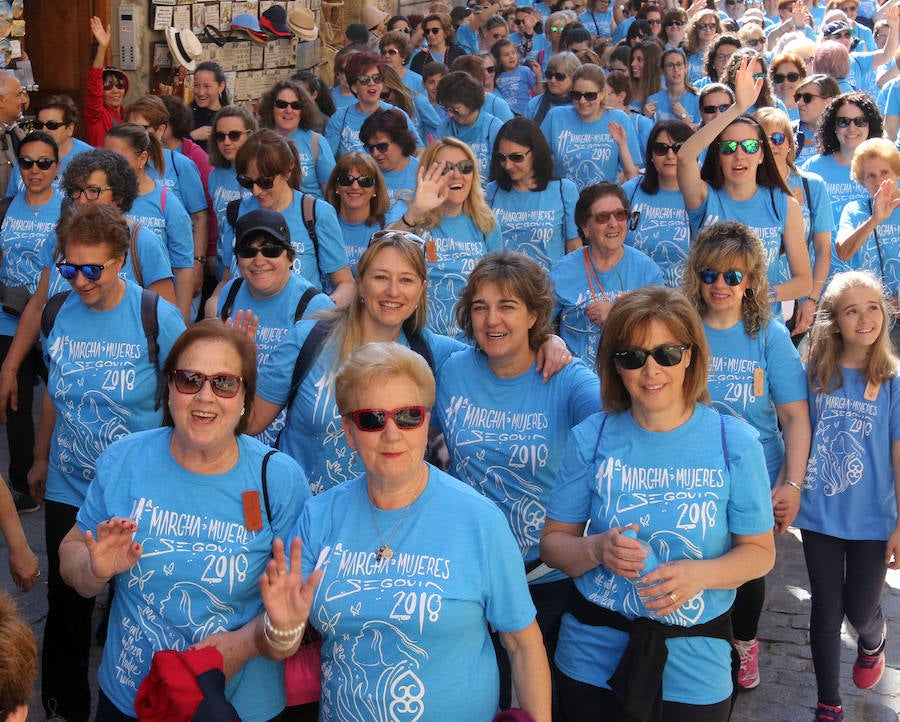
<point x="683" y="116"/>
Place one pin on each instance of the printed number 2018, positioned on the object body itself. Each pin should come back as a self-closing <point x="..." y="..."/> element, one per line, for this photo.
<point x="218" y="566"/>
<point x="690" y="515"/>
<point x="421" y="604"/>
<point x="533" y="455"/>
<point x="121" y="380"/>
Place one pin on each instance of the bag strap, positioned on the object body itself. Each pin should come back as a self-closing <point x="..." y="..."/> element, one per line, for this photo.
<point x="232" y="210"/>
<point x="308" y="353"/>
<point x="418" y="344"/>
<point x="229" y="299"/>
<point x="135" y="261"/>
<point x="162" y="199"/>
<point x="150" y="323"/>
<point x="265" y="484"/>
<point x="51" y="309"/>
<point x="308" y="295"/>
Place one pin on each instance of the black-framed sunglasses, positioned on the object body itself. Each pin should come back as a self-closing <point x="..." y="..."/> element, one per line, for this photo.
<point x="709" y="276"/>
<point x="729" y="147"/>
<point x="225" y="386"/>
<point x="464" y="167"/>
<point x="113" y="82"/>
<point x="490" y="69"/>
<point x="706" y="26"/>
<point x="708" y="109"/>
<point x="282" y="104"/>
<point x="380" y="147"/>
<point x="27" y="163"/>
<point x="844" y="122"/>
<point x="373" y="79"/>
<point x="233" y="135"/>
<point x="556" y="76"/>
<point x="512" y="157"/>
<point x="676" y="23"/>
<point x="346" y="180"/>
<point x="406" y="418"/>
<point x="48" y="124"/>
<point x="91" y="271"/>
<point x="779" y="78"/>
<point x="269" y="250"/>
<point x="590" y="96"/>
<point x="777" y="138"/>
<point x="264" y="183"/>
<point x="635" y="358"/>
<point x="660" y="149"/>
<point x="434" y="30"/>
<point x="92" y="193"/>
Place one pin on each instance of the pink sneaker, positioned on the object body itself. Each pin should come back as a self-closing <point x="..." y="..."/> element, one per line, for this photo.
<point x="748" y="676"/>
<point x="868" y="668"/>
<point x="827" y="713"/>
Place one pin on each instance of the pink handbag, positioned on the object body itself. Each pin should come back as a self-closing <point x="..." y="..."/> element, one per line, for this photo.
<point x="303" y="671"/>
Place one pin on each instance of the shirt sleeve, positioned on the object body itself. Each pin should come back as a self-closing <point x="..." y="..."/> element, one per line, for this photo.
<point x="332" y="253"/>
<point x="787" y="379"/>
<point x="749" y="500"/>
<point x="179" y="232"/>
<point x="570" y="200"/>
<point x="325" y="162"/>
<point x="274" y="379"/>
<point x="570" y="501"/>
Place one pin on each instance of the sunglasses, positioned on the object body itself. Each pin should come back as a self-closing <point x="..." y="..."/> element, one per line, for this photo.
<point x="661" y="149"/>
<point x="706" y="26"/>
<point x="779" y="78"/>
<point x="777" y="138"/>
<point x="714" y="108"/>
<point x="91" y="271"/>
<point x="465" y="167"/>
<point x="293" y="104"/>
<point x="405" y="235"/>
<point x="346" y="180"/>
<point x="512" y="157"/>
<point x="110" y="83"/>
<point x="841" y="121"/>
<point x="406" y="418"/>
<point x="373" y="79"/>
<point x="602" y="217"/>
<point x="805" y="97"/>
<point x="554" y="29"/>
<point x="265" y="184"/>
<point x="756" y="42"/>
<point x="759" y="76"/>
<point x="590" y="96"/>
<point x="732" y="3"/>
<point x="557" y="76"/>
<point x="380" y="147"/>
<point x="676" y="23"/>
<point x="452" y="111"/>
<point x="433" y="30"/>
<point x="233" y="135"/>
<point x="225" y="386"/>
<point x="729" y="147"/>
<point x="654" y="22"/>
<point x="709" y="276"/>
<point x="843" y="35"/>
<point x="490" y="69"/>
<point x="390" y="51"/>
<point x="268" y="251"/>
<point x="92" y="193"/>
<point x="673" y="66"/>
<point x="518" y="21"/>
<point x="27" y="163"/>
<point x="668" y="355"/>
<point x="49" y="125"/>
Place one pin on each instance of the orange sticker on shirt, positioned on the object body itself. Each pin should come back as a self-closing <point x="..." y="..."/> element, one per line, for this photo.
<point x="252" y="511"/>
<point x="431" y="251"/>
<point x="871" y="392"/>
<point x="759" y="380"/>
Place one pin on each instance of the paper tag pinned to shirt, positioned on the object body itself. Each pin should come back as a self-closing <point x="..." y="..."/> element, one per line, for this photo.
<point x="871" y="392"/>
<point x="759" y="381"/>
<point x="252" y="511"/>
<point x="431" y="251"/>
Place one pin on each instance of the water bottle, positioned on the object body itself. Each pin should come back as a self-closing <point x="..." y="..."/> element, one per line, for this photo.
<point x="651" y="562"/>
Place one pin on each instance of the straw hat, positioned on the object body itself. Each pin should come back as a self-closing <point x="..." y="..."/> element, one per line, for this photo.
<point x="372" y="16"/>
<point x="185" y="47"/>
<point x="302" y="23"/>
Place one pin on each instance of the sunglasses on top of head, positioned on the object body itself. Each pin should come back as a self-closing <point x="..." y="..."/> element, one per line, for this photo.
<point x="225" y="386"/>
<point x="635" y="358"/>
<point x="405" y="417"/>
<point x="245" y="181"/>
<point x="710" y="276"/>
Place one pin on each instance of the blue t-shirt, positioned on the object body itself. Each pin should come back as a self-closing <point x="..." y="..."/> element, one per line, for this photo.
<point x="341" y="100"/>
<point x="749" y="376"/>
<point x="577" y="283"/>
<point x="407" y="637"/>
<point x="506" y="435"/>
<point x="413" y="81"/>
<point x="688" y="499"/>
<point x="427" y="118"/>
<point x="696" y="66"/>
<point x="398" y="181"/>
<point x="479" y="136"/>
<point x="16" y="184"/>
<point x="342" y="131"/>
<point x="332" y="255"/>
<point x="536" y="223"/>
<point x="515" y="87"/>
<point x="356" y="239"/>
<point x="598" y="24"/>
<point x="182" y="178"/>
<point x="25" y="231"/>
<point x="224" y="188"/>
<point x="880" y="252"/>
<point x="661" y="230"/>
<point x="585" y="153"/>
<point x="102" y="384"/>
<point x="199" y="568"/>
<point x="315" y="164"/>
<point x="467" y="37"/>
<point x="162" y="212"/>
<point x="689" y="100"/>
<point x="849" y="488"/>
<point x="841" y="188"/>
<point x="313" y="433"/>
<point x="497" y="106"/>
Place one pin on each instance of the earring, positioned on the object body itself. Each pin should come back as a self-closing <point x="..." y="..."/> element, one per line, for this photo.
<point x="242" y="410"/>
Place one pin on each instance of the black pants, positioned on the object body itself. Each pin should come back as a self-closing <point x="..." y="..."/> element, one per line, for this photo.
<point x="583" y="702"/>
<point x="845" y="578"/>
<point x="748" y="606"/>
<point x="66" y="652"/>
<point x="20" y="424"/>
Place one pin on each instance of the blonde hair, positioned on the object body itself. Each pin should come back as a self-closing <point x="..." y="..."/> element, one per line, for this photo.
<point x="769" y="117"/>
<point x="823" y="354"/>
<point x="374" y="363"/>
<point x="880" y="148"/>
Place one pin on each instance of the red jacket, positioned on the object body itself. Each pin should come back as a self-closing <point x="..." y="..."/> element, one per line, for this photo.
<point x="98" y="118"/>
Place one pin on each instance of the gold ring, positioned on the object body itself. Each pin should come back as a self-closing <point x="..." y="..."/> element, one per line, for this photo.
<point x="282" y="571"/>
<point x="673" y="597"/>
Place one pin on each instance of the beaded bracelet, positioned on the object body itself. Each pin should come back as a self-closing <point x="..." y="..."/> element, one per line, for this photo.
<point x="281" y="638"/>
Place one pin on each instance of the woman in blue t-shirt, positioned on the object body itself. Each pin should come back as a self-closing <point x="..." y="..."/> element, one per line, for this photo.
<point x="755" y="374"/>
<point x="739" y="179"/>
<point x="679" y="514"/>
<point x="389" y="141"/>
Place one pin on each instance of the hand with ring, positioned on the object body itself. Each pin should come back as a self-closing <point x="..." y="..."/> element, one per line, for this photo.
<point x="673" y="583"/>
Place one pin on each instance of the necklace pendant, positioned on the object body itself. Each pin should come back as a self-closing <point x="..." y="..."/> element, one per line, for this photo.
<point x="384" y="552"/>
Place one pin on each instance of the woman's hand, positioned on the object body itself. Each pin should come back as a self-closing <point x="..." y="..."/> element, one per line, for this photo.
<point x="113" y="550"/>
<point x="892" y="551"/>
<point x="678" y="110"/>
<point x="885" y="201"/>
<point x="37" y="480"/>
<point x="431" y="188"/>
<point x="552" y="357"/>
<point x="649" y="109"/>
<point x="806" y="314"/>
<point x="286" y="597"/>
<point x="746" y="87"/>
<point x="246" y="322"/>
<point x="9" y="392"/>
<point x="24" y="567"/>
<point x="101" y="34"/>
<point x="785" y="506"/>
<point x="620" y="554"/>
<point x="235" y="647"/>
<point x="617" y="133"/>
<point x="674" y="583"/>
<point x="202" y="133"/>
<point x="598" y="311"/>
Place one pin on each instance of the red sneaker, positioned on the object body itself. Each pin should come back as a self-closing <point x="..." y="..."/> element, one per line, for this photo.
<point x="827" y="713"/>
<point x="868" y="667"/>
<point x="748" y="676"/>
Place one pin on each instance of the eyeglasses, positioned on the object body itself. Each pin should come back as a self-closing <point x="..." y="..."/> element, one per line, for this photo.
<point x="554" y="29"/>
<point x="759" y="76"/>
<point x="373" y="79"/>
<point x="380" y="147"/>
<point x="434" y="30"/>
<point x="225" y="386"/>
<point x="842" y="34"/>
<point x="729" y="147"/>
<point x="390" y="51"/>
<point x="490" y="69"/>
<point x="590" y="96"/>
<point x="406" y="418"/>
<point x="346" y="180"/>
<point x="676" y="23"/>
<point x="635" y="358"/>
<point x="756" y="42"/>
<point x="49" y="125"/>
<point x="455" y="112"/>
<point x="778" y="138"/>
<point x="26" y="163"/>
<point x="706" y="26"/>
<point x="710" y="276"/>
<point x="465" y="167"/>
<point x="805" y="97"/>
<point x="293" y="104"/>
<point x="233" y="135"/>
<point x="779" y="78"/>
<point x="512" y="157"/>
<point x="268" y="251"/>
<point x="265" y="184"/>
<point x="557" y="76"/>
<point x="408" y="31"/>
<point x="602" y="217"/>
<point x="113" y="82"/>
<point x="91" y="271"/>
<point x="658" y="21"/>
<point x="661" y="149"/>
<point x="517" y="21"/>
<point x="841" y="122"/>
<point x="91" y="193"/>
<point x="498" y="36"/>
<point x="673" y="66"/>
<point x="714" y="108"/>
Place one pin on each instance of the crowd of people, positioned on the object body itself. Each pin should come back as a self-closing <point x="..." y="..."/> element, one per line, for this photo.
<point x="410" y="372"/>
